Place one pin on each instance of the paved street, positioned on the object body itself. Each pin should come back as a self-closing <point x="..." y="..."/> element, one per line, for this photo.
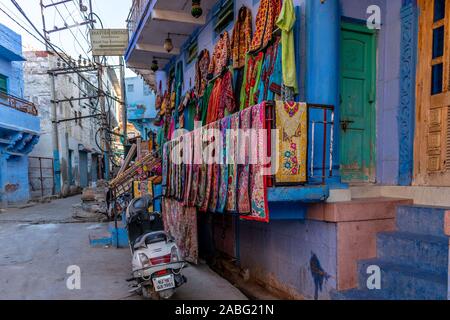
<point x="40" y="242"/>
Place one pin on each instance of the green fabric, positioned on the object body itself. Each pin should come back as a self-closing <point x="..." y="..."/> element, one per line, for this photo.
<point x="244" y="84"/>
<point x="205" y="101"/>
<point x="255" y="88"/>
<point x="285" y="22"/>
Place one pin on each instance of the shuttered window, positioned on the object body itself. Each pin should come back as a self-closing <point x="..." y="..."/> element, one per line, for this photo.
<point x="224" y="15"/>
<point x="3" y="84"/>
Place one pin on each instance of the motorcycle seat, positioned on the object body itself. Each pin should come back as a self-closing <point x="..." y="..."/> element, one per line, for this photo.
<point x="149" y="238"/>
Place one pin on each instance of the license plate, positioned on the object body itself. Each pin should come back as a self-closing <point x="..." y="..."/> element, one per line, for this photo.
<point x="163" y="283"/>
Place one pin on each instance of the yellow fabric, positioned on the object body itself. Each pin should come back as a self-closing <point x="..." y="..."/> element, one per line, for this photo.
<point x="291" y="121"/>
<point x="285" y="22"/>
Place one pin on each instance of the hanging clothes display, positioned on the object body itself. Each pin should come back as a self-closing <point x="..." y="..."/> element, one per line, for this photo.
<point x="215" y="179"/>
<point x="286" y="22"/>
<point x="242" y="37"/>
<point x="181" y="223"/>
<point x="196" y="166"/>
<point x="258" y="180"/>
<point x="221" y="55"/>
<point x="223" y="180"/>
<point x="202" y="112"/>
<point x="221" y="99"/>
<point x="209" y="167"/>
<point x="244" y="145"/>
<point x="201" y="74"/>
<point x="291" y="120"/>
<point x="202" y="171"/>
<point x="252" y="77"/>
<point x="188" y="157"/>
<point x="232" y="168"/>
<point x="214" y="102"/>
<point x="269" y="67"/>
<point x="265" y="21"/>
<point x="165" y="168"/>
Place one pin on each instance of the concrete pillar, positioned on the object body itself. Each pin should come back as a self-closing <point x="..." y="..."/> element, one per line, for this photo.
<point x="323" y="24"/>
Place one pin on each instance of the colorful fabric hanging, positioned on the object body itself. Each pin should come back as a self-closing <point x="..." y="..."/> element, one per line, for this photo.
<point x="291" y="120"/>
<point x="202" y="171"/>
<point x="201" y="74"/>
<point x="204" y="102"/>
<point x="181" y="223"/>
<point x="258" y="180"/>
<point x="188" y="154"/>
<point x="249" y="92"/>
<point x="244" y="143"/>
<point x="233" y="168"/>
<point x="209" y="168"/>
<point x="268" y="69"/>
<point x="265" y="21"/>
<point x="215" y="179"/>
<point x="197" y="135"/>
<point x="214" y="102"/>
<point x="242" y="37"/>
<point x="286" y="22"/>
<point x="223" y="181"/>
<point x="165" y="168"/>
<point x="221" y="55"/>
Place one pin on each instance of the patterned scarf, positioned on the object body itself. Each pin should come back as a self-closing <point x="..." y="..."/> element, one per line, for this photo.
<point x="258" y="181"/>
<point x="232" y="169"/>
<point x="223" y="182"/>
<point x="201" y="73"/>
<point x="221" y="55"/>
<point x="244" y="163"/>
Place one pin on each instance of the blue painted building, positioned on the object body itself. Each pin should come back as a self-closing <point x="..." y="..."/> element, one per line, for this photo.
<point x="141" y="105"/>
<point x="361" y="57"/>
<point x="19" y="124"/>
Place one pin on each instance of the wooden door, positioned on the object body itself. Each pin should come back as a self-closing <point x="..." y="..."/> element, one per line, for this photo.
<point x="432" y="134"/>
<point x="358" y="60"/>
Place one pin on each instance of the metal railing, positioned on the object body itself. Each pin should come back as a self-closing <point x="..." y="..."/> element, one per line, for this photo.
<point x="17" y="103"/>
<point x="137" y="9"/>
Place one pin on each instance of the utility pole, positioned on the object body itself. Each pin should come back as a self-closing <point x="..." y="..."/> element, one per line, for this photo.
<point x="55" y="138"/>
<point x="105" y="144"/>
<point x="124" y="103"/>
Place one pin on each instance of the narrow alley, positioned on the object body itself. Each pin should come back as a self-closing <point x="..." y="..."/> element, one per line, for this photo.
<point x="40" y="242"/>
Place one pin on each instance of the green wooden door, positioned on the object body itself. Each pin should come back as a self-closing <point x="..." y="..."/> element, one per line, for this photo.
<point x="357" y="103"/>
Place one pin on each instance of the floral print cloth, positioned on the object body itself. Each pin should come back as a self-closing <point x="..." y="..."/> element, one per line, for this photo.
<point x="258" y="179"/>
<point x="201" y="73"/>
<point x="181" y="223"/>
<point x="242" y="37"/>
<point x="221" y="55"/>
<point x="233" y="168"/>
<point x="291" y="120"/>
<point x="244" y="143"/>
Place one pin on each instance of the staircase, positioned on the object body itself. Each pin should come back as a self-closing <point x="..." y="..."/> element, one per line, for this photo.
<point x="414" y="260"/>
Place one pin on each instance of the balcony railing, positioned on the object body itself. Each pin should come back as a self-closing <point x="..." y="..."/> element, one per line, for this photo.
<point x="19" y="104"/>
<point x="137" y="9"/>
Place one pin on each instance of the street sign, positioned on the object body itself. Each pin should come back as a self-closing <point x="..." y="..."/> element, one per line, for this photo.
<point x="109" y="42"/>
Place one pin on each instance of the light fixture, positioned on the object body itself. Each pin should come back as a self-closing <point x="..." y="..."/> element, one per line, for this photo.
<point x="196" y="10"/>
<point x="168" y="44"/>
<point x="154" y="67"/>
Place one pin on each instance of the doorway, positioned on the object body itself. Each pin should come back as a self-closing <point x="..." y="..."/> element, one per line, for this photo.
<point x="357" y="103"/>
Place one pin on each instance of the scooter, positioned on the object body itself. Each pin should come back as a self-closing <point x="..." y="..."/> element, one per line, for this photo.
<point x="156" y="262"/>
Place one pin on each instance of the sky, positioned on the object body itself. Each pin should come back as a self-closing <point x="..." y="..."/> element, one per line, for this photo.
<point x="113" y="14"/>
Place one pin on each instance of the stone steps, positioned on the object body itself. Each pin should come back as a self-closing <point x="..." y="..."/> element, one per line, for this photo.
<point x="414" y="261"/>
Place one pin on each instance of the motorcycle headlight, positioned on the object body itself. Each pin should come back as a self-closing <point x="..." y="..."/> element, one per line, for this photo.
<point x="174" y="254"/>
<point x="143" y="259"/>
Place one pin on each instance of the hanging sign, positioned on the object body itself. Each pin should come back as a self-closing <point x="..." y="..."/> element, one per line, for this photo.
<point x="109" y="42"/>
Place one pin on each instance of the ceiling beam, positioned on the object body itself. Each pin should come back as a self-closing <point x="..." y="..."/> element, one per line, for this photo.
<point x="157" y="49"/>
<point x="177" y="16"/>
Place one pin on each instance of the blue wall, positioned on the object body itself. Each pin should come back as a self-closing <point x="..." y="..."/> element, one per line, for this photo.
<point x="141" y="107"/>
<point x="19" y="131"/>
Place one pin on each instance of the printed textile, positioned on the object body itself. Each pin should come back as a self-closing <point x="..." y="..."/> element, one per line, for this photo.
<point x="291" y="121"/>
<point x="181" y="223"/>
<point x="201" y="73"/>
<point x="221" y="55"/>
<point x="258" y="178"/>
<point x="265" y="21"/>
<point x="215" y="164"/>
<point x="242" y="37"/>
<point x="232" y="168"/>
<point x="223" y="181"/>
<point x="245" y="146"/>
